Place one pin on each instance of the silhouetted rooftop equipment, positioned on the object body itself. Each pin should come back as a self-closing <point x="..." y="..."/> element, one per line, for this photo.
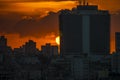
<point x="83" y="2"/>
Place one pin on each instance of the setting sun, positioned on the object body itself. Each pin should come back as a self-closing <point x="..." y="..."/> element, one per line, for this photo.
<point x="58" y="40"/>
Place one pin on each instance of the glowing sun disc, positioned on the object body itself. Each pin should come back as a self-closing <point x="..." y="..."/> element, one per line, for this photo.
<point x="58" y="40"/>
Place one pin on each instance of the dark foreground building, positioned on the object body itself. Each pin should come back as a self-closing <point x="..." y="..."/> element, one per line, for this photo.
<point x="84" y="29"/>
<point x="117" y="41"/>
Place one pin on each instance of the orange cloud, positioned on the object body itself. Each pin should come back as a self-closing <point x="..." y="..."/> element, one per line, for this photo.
<point x="31" y="7"/>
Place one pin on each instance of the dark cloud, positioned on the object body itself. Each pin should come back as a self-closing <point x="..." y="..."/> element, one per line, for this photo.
<point x="3" y="5"/>
<point x="29" y="26"/>
<point x="7" y="21"/>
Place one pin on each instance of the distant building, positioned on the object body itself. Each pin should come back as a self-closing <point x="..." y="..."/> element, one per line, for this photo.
<point x="18" y="50"/>
<point x="115" y="62"/>
<point x="29" y="47"/>
<point x="3" y="45"/>
<point x="99" y="69"/>
<point x="84" y="29"/>
<point x="59" y="69"/>
<point x="3" y="41"/>
<point x="49" y="50"/>
<point x="69" y="68"/>
<point x="80" y="67"/>
<point x="6" y="68"/>
<point x="117" y="41"/>
<point x="6" y="72"/>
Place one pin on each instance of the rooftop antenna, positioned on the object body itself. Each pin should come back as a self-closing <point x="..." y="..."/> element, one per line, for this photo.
<point x="87" y="2"/>
<point x="84" y="2"/>
<point x="79" y="2"/>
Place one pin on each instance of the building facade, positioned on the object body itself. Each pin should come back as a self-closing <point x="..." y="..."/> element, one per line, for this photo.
<point x="49" y="50"/>
<point x="84" y="29"/>
<point x="115" y="62"/>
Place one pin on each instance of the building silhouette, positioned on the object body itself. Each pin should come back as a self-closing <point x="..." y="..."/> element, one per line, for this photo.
<point x="49" y="50"/>
<point x="115" y="62"/>
<point x="115" y="59"/>
<point x="3" y="45"/>
<point x="3" y="41"/>
<point x="29" y="47"/>
<point x="84" y="29"/>
<point x="117" y="41"/>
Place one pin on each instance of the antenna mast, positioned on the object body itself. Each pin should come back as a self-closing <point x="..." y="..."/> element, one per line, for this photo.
<point x="83" y="2"/>
<point x="79" y="2"/>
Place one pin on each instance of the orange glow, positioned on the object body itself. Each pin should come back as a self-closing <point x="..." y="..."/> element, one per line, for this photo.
<point x="15" y="41"/>
<point x="38" y="7"/>
<point x="112" y="45"/>
<point x="52" y="5"/>
<point x="58" y="40"/>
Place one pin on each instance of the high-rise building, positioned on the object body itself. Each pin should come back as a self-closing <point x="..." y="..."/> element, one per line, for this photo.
<point x="84" y="29"/>
<point x="117" y="41"/>
<point x="3" y="41"/>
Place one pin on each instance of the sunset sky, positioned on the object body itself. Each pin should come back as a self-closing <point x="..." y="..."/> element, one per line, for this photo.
<point x="21" y="20"/>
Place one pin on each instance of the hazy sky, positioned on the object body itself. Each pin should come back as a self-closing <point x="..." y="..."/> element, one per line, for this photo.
<point x="21" y="20"/>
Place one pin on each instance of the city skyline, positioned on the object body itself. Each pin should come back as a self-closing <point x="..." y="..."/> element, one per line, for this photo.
<point x="14" y="20"/>
<point x="75" y="42"/>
